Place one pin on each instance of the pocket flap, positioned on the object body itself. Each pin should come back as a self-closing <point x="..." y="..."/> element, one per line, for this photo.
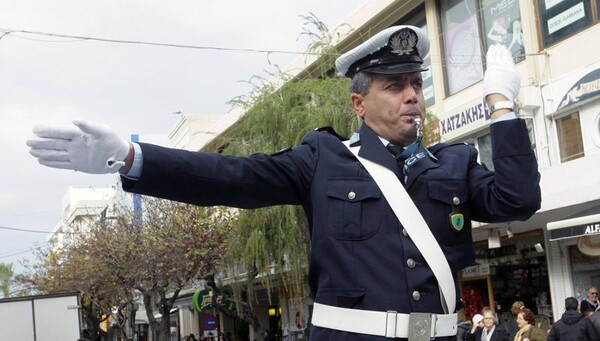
<point x="448" y="191"/>
<point x="352" y="189"/>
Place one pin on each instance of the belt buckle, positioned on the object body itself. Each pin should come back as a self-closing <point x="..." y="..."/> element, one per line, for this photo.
<point x="421" y="327"/>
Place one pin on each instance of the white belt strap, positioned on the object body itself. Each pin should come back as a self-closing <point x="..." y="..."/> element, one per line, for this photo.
<point x="415" y="326"/>
<point x="415" y="225"/>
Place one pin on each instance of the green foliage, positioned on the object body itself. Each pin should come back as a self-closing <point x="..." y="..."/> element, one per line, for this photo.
<point x="279" y="118"/>
<point x="6" y="274"/>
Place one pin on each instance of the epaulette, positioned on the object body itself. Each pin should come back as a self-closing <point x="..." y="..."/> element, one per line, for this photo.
<point x="284" y="150"/>
<point x="439" y="146"/>
<point x="330" y="130"/>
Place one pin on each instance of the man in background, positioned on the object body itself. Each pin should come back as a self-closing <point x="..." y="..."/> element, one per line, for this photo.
<point x="572" y="326"/>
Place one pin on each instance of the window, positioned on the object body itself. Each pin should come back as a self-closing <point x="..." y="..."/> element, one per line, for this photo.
<point x="462" y="48"/>
<point x="560" y="19"/>
<point x="502" y="25"/>
<point x="529" y="125"/>
<point x="417" y="18"/>
<point x="484" y="146"/>
<point x="570" y="141"/>
<point x="584" y="268"/>
<point x="470" y="27"/>
<point x="519" y="270"/>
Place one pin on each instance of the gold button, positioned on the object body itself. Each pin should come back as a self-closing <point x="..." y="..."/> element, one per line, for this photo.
<point x="351" y="195"/>
<point x="455" y="200"/>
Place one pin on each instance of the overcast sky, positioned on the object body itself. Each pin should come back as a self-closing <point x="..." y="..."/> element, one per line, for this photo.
<point x="134" y="88"/>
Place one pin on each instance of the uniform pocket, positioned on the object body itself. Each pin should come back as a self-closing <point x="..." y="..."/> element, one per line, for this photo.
<point x="449" y="219"/>
<point x="354" y="208"/>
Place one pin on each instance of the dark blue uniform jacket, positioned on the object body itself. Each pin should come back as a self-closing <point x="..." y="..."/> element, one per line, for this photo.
<point x="359" y="254"/>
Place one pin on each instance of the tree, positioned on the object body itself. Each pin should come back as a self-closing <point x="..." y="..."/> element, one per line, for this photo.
<point x="6" y="274"/>
<point x="126" y="254"/>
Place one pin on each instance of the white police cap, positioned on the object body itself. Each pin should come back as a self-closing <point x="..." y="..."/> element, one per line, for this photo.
<point x="395" y="50"/>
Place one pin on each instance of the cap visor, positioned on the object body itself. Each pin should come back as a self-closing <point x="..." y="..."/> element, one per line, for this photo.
<point x="396" y="69"/>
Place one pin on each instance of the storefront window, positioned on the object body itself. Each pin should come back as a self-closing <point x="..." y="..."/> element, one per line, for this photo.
<point x="502" y="25"/>
<point x="560" y="19"/>
<point x="462" y="48"/>
<point x="516" y="271"/>
<point x="584" y="266"/>
<point x="570" y="141"/>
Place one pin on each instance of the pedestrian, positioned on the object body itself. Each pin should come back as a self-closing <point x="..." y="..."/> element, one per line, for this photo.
<point x="590" y="303"/>
<point x="476" y="325"/>
<point x="595" y="319"/>
<point x="490" y="331"/>
<point x="572" y="326"/>
<point x="527" y="329"/>
<point x="511" y="325"/>
<point x="358" y="223"/>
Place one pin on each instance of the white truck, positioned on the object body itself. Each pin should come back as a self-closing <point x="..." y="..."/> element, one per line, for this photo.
<point x="41" y="318"/>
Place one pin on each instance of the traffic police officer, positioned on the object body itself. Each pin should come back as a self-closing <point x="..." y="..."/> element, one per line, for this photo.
<point x="364" y="265"/>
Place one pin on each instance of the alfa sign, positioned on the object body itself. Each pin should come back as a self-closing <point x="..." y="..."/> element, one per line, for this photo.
<point x="576" y="227"/>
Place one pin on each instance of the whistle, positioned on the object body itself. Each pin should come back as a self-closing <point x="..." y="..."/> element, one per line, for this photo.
<point x="418" y="122"/>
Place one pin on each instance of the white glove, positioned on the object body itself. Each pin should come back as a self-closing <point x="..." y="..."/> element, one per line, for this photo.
<point x="90" y="148"/>
<point x="501" y="76"/>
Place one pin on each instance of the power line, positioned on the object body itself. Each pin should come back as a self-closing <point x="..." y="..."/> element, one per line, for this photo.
<point x="22" y="230"/>
<point x="19" y="252"/>
<point x="119" y="41"/>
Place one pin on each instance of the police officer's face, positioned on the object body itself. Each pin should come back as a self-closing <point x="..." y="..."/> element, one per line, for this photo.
<point x="390" y="105"/>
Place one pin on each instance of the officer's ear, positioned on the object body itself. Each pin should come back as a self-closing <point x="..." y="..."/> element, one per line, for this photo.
<point x="358" y="103"/>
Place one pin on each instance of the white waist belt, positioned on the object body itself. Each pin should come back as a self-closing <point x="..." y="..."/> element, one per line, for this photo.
<point x="389" y="324"/>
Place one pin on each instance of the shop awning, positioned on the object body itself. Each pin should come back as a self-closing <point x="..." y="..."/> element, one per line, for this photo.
<point x="588" y="225"/>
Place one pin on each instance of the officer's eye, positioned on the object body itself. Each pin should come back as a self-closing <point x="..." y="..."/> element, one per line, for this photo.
<point x="418" y="84"/>
<point x="394" y="86"/>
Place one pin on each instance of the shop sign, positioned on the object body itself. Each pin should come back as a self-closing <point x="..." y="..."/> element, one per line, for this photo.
<point x="586" y="87"/>
<point x="476" y="271"/>
<point x="203" y="301"/>
<point x="464" y="119"/>
<point x="583" y="226"/>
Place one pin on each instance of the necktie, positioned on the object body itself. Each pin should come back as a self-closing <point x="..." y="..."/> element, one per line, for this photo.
<point x="409" y="156"/>
<point x="397" y="152"/>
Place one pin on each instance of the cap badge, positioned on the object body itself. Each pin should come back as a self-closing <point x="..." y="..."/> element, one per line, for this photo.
<point x="403" y="42"/>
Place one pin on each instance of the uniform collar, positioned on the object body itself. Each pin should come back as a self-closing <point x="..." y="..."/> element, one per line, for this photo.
<point x="372" y="147"/>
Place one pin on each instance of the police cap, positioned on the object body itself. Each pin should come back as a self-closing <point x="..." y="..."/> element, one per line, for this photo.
<point x="395" y="50"/>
